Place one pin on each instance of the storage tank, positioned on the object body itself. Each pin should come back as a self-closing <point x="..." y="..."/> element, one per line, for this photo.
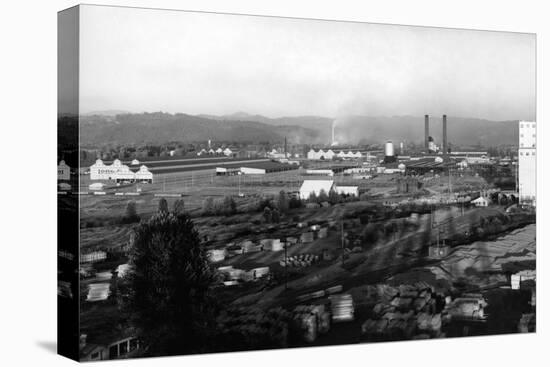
<point x="388" y="149"/>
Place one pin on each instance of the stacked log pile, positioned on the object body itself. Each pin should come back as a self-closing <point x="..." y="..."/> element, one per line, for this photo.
<point x="404" y="312"/>
<point x="254" y="328"/>
<point x="310" y="321"/>
<point x="301" y="260"/>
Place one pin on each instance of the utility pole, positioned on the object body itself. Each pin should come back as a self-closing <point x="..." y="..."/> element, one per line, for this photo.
<point x="240" y="185"/>
<point x="450" y="187"/>
<point x="343" y="240"/>
<point x="286" y="265"/>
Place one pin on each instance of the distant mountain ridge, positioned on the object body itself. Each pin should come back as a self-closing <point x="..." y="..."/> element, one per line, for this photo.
<point x="159" y="127"/>
<point x="163" y="127"/>
<point x="111" y="113"/>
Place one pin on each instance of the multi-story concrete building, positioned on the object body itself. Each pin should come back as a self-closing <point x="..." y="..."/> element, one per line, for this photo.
<point x="527" y="162"/>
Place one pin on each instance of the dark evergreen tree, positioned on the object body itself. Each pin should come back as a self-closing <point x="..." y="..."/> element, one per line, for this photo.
<point x="163" y="205"/>
<point x="166" y="294"/>
<point x="283" y="202"/>
<point x="323" y="196"/>
<point x="229" y="206"/>
<point x="275" y="216"/>
<point x="178" y="207"/>
<point x="267" y="215"/>
<point x="131" y="216"/>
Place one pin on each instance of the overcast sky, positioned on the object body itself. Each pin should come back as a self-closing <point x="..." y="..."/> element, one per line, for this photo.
<point x="151" y="60"/>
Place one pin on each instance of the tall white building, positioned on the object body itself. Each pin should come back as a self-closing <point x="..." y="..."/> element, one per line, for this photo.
<point x="527" y="162"/>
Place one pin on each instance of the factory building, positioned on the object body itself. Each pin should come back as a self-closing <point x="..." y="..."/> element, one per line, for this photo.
<point x="316" y="187"/>
<point x="347" y="190"/>
<point x="320" y="155"/>
<point x="330" y="154"/>
<point x="432" y="147"/>
<point x="349" y="155"/>
<point x="320" y="172"/>
<point x="259" y="168"/>
<point x="408" y="185"/>
<point x="119" y="172"/>
<point x="63" y="172"/>
<point x="527" y="162"/>
<point x="427" y="165"/>
<point x="223" y="171"/>
<point x="252" y="171"/>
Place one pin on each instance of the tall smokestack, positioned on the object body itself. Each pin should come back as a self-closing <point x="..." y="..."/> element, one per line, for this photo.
<point x="445" y="149"/>
<point x="286" y="156"/>
<point x="426" y="131"/>
<point x="333" y="125"/>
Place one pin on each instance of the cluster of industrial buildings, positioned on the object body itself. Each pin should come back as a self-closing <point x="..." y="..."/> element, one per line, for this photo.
<point x="433" y="159"/>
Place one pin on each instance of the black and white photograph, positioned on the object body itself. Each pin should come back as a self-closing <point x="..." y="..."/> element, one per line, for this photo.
<point x="245" y="182"/>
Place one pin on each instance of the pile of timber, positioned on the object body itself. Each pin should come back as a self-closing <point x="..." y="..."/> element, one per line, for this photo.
<point x="404" y="312"/>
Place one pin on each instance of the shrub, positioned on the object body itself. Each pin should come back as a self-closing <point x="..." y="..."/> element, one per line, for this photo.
<point x="179" y="207"/>
<point x="295" y="203"/>
<point x="208" y="206"/>
<point x="267" y="215"/>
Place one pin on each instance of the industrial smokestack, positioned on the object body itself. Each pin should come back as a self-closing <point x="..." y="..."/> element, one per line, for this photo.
<point x="286" y="156"/>
<point x="333" y="125"/>
<point x="426" y="131"/>
<point x="445" y="148"/>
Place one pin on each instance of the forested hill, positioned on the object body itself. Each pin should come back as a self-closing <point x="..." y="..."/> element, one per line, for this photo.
<point x="164" y="127"/>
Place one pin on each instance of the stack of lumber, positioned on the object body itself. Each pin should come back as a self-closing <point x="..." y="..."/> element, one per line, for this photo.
<point x="402" y="312"/>
<point x="98" y="292"/>
<point x="309" y="321"/>
<point x="301" y="260"/>
<point x="468" y="307"/>
<point x="342" y="307"/>
<point x="306" y="237"/>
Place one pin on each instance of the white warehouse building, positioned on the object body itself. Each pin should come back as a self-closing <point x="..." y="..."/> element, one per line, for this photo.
<point x="321" y="154"/>
<point x="527" y="162"/>
<point x="348" y="190"/>
<point x="316" y="187"/>
<point x="119" y="172"/>
<point x="330" y="154"/>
